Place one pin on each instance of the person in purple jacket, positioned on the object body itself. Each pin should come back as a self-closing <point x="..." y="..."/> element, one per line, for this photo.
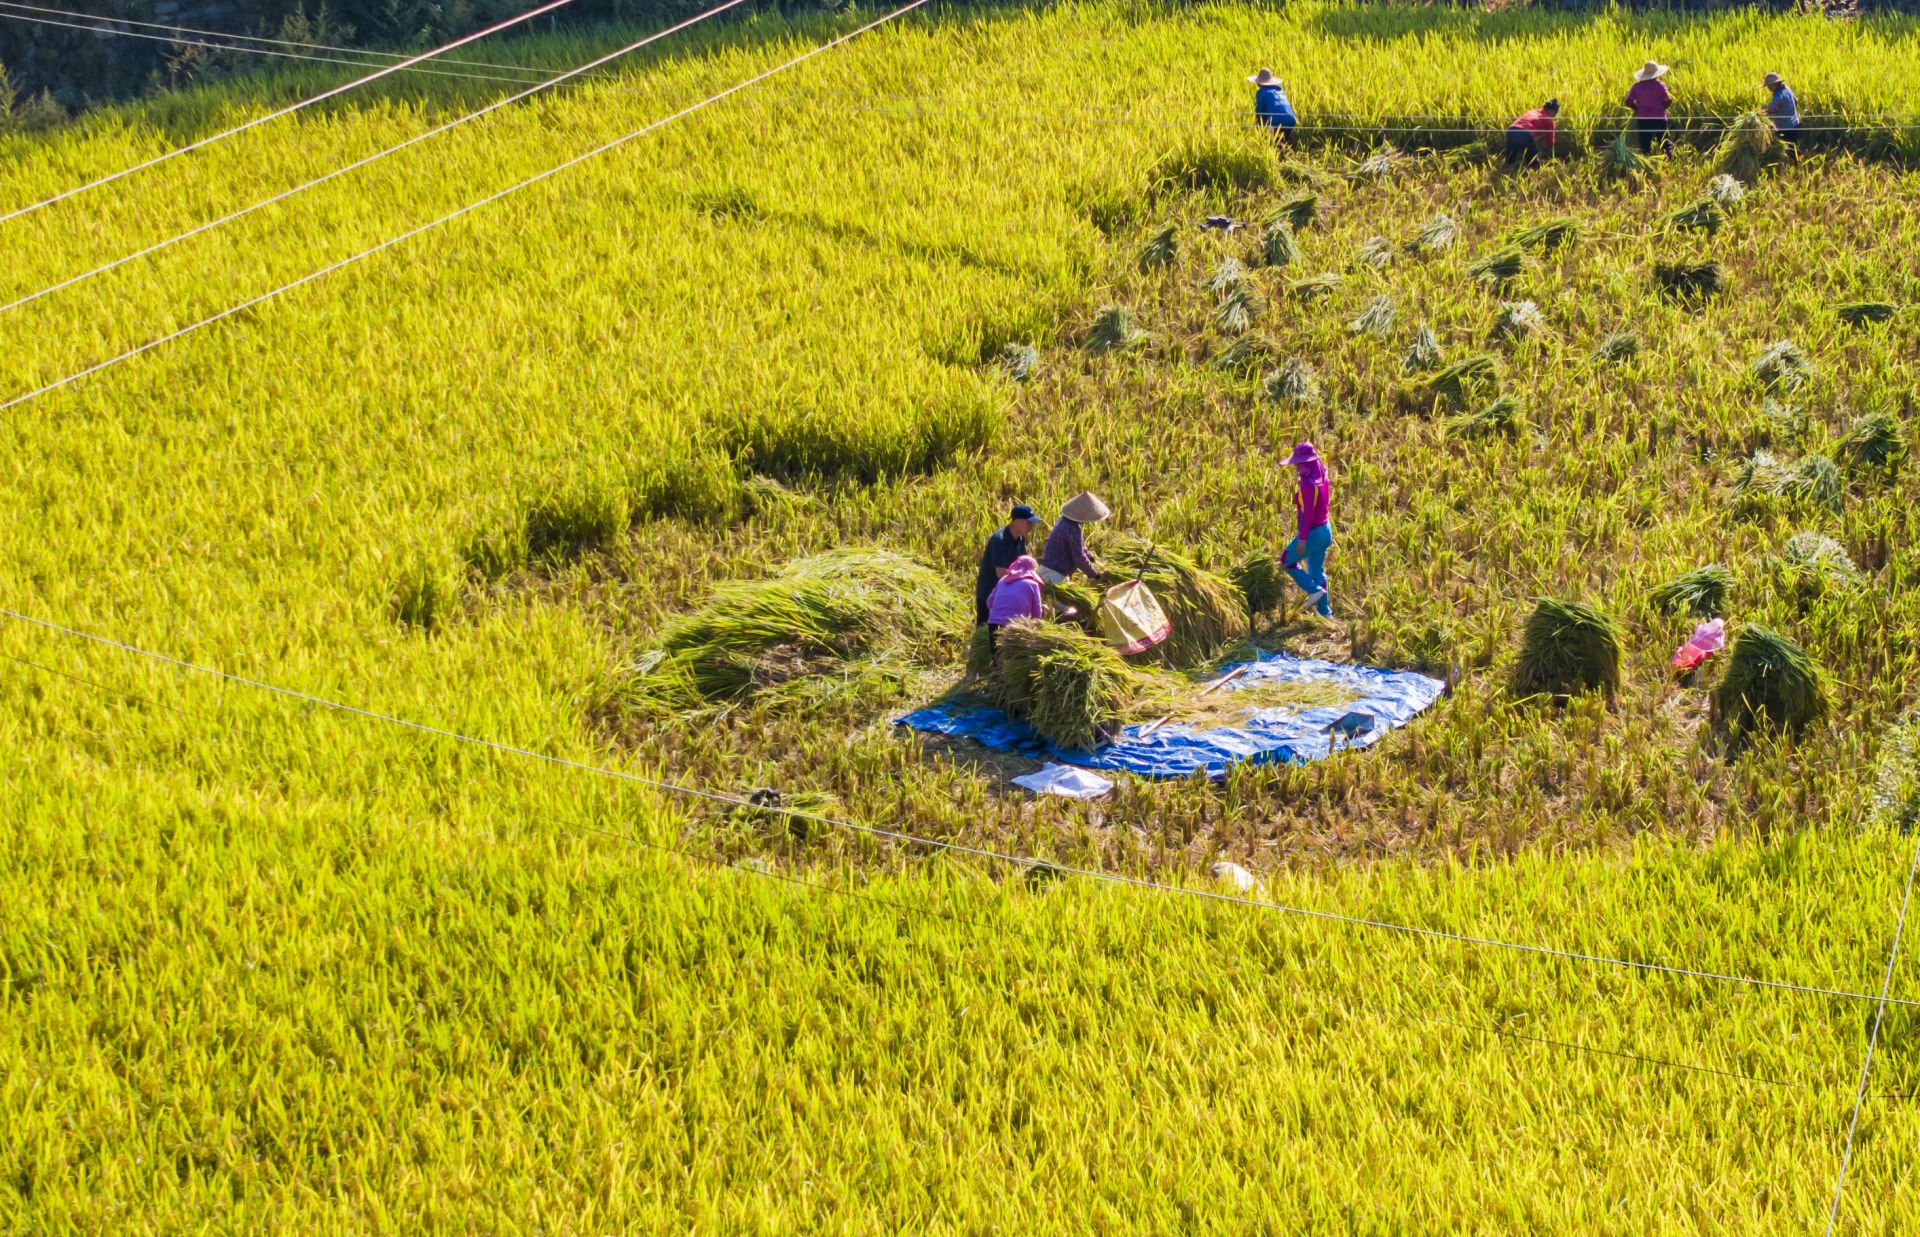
<point x="1016" y="596"/>
<point x="1066" y="548"/>
<point x="1305" y="558"/>
<point x="1651" y="102"/>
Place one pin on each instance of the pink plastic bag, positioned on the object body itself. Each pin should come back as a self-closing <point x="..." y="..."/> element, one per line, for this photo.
<point x="1708" y="638"/>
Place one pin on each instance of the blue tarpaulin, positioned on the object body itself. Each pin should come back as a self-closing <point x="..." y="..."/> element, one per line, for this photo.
<point x="1387" y="699"/>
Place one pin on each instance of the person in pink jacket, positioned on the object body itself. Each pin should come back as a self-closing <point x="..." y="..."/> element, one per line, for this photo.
<point x="1016" y="596"/>
<point x="1305" y="558"/>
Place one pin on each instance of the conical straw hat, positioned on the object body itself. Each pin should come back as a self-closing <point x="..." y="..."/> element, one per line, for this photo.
<point x="1084" y="508"/>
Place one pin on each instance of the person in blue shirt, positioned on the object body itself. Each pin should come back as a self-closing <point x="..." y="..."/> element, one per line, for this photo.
<point x="1783" y="110"/>
<point x="1270" y="107"/>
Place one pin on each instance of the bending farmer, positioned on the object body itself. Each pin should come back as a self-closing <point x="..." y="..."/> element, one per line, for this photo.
<point x="1530" y="138"/>
<point x="1305" y="558"/>
<point x="1003" y="548"/>
<point x="1017" y="596"/>
<point x="1270" y="107"/>
<point x="1066" y="548"/>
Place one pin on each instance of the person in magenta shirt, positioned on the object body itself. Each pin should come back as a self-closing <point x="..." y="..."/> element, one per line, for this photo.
<point x="1651" y="103"/>
<point x="1305" y="558"/>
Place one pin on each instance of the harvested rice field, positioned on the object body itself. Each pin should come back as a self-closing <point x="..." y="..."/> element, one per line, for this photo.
<point x="673" y="471"/>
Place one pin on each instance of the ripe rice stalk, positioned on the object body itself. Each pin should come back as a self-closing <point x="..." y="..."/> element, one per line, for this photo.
<point x="1113" y="331"/>
<point x="1689" y="280"/>
<point x="1620" y="161"/>
<point x="1502" y="416"/>
<point x="1018" y="361"/>
<point x="1160" y="250"/>
<point x="1567" y="648"/>
<point x="1278" y="247"/>
<point x="1876" y="443"/>
<point x="1375" y="254"/>
<point x="757" y="636"/>
<point x="1246" y="355"/>
<point x="1727" y="191"/>
<point x="575" y="519"/>
<point x="1864" y="313"/>
<point x="1546" y="237"/>
<point x="1243" y="164"/>
<point x="980" y="652"/>
<point x="1744" y="149"/>
<point x="1896" y="781"/>
<point x="1705" y="215"/>
<point x="1499" y="268"/>
<point x="1812" y="564"/>
<point x="1205" y="610"/>
<point x="1376" y="319"/>
<point x="1262" y="583"/>
<point x="1782" y="366"/>
<point x="1424" y="353"/>
<point x="1619" y="346"/>
<point x="426" y="594"/>
<point x="1518" y="321"/>
<point x="1315" y="287"/>
<point x="1436" y="235"/>
<point x="1379" y="165"/>
<point x="1700" y="592"/>
<point x="1228" y="275"/>
<point x="1071" y="687"/>
<point x="1298" y="213"/>
<point x="1293" y="383"/>
<point x="1238" y="307"/>
<point x="1457" y="386"/>
<point x="1770" y="685"/>
<point x="1811" y="479"/>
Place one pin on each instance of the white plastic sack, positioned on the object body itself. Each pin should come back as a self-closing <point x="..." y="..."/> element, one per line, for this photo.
<point x="1074" y="783"/>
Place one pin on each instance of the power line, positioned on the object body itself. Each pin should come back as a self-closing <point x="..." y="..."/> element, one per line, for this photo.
<point x="251" y="38"/>
<point x="372" y="158"/>
<point x="258" y="51"/>
<point x="376" y="75"/>
<point x="956" y="847"/>
<point x="391" y="241"/>
<point x="1866" y="1064"/>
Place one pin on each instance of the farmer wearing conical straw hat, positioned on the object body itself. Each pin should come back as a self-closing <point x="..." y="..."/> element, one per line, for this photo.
<point x="1270" y="107"/>
<point x="1651" y="102"/>
<point x="1066" y="548"/>
<point x="1782" y="109"/>
<point x="1305" y="558"/>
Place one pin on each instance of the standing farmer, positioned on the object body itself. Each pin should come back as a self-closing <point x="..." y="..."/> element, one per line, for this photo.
<point x="1530" y="138"/>
<point x="1006" y="546"/>
<point x="1651" y="102"/>
<point x="1066" y="548"/>
<point x="1783" y="110"/>
<point x="1305" y="558"/>
<point x="1270" y="107"/>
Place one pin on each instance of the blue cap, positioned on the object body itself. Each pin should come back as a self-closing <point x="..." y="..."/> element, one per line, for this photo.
<point x="1022" y="511"/>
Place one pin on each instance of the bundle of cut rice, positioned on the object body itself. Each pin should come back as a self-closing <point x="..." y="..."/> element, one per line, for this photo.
<point x="1070" y="686"/>
<point x="1770" y="684"/>
<point x="1567" y="648"/>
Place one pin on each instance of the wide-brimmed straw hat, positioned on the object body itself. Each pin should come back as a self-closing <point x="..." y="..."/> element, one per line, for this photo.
<point x="1303" y="453"/>
<point x="1773" y="79"/>
<point x="1084" y="508"/>
<point x="1264" y="77"/>
<point x="1650" y="70"/>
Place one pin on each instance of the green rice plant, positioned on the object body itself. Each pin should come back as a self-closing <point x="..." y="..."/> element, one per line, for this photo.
<point x="498" y="550"/>
<point x="1744" y="149"/>
<point x="576" y="518"/>
<point x="1455" y="386"/>
<point x="1237" y="166"/>
<point x="1113" y="331"/>
<point x="1517" y="321"/>
<point x="759" y="636"/>
<point x="1278" y="248"/>
<point x="1298" y="212"/>
<point x="1727" y="191"/>
<point x="1770" y="685"/>
<point x="1071" y="687"/>
<point x="1499" y="268"/>
<point x="1375" y="254"/>
<point x="1423" y="352"/>
<point x="1436" y="235"/>
<point x="1567" y="649"/>
<point x="1262" y="583"/>
<point x="1203" y="608"/>
<point x="1689" y="281"/>
<point x="1865" y="313"/>
<point x="1619" y="346"/>
<point x="1546" y="237"/>
<point x="1018" y="361"/>
<point x="1705" y="215"/>
<point x="1876" y="442"/>
<point x="1502" y="416"/>
<point x="1699" y="592"/>
<point x="426" y="594"/>
<point x="1247" y="354"/>
<point x="1376" y="318"/>
<point x="1227" y="276"/>
<point x="1293" y="383"/>
<point x="1782" y="366"/>
<point x="1316" y="287"/>
<point x="1620" y="161"/>
<point x="1160" y="250"/>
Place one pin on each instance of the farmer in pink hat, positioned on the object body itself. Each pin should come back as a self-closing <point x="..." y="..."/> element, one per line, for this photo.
<point x="1305" y="558"/>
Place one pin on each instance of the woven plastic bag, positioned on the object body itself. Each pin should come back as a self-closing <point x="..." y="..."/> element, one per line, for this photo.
<point x="1131" y="618"/>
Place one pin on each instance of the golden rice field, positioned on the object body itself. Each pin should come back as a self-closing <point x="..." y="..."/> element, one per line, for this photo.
<point x="267" y="966"/>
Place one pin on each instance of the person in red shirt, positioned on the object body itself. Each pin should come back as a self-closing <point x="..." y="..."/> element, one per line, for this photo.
<point x="1530" y="138"/>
